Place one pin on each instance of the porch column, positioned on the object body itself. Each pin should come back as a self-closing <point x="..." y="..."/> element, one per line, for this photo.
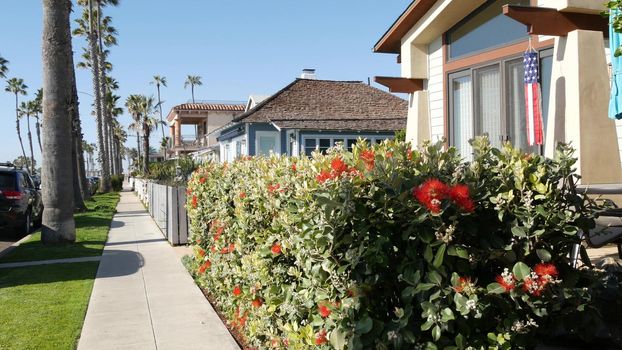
<point x="177" y="132"/>
<point x="418" y="122"/>
<point x="578" y="107"/>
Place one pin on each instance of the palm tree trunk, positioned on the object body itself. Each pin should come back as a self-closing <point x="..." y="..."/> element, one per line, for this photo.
<point x="78" y="199"/>
<point x="32" y="154"/>
<point x="192" y="89"/>
<point x="92" y="38"/>
<point x="146" y="148"/>
<point x="19" y="133"/>
<point x="161" y="117"/>
<point x="38" y="128"/>
<point x="80" y="172"/>
<point x="105" y="178"/>
<point x="58" y="223"/>
<point x="138" y="146"/>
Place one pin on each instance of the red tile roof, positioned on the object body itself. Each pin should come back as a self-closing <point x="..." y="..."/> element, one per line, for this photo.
<point x="199" y="107"/>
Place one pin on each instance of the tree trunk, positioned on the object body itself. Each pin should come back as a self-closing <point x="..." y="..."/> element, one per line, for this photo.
<point x="138" y="147"/>
<point x="58" y="223"/>
<point x="96" y="90"/>
<point x="32" y="154"/>
<point x="78" y="199"/>
<point x="19" y="133"/>
<point x="80" y="172"/>
<point x="161" y="121"/>
<point x="106" y="185"/>
<point x="192" y="89"/>
<point x="146" y="148"/>
<point x="38" y="128"/>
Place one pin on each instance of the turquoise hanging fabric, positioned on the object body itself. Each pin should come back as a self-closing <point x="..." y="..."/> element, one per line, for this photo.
<point x="615" y="101"/>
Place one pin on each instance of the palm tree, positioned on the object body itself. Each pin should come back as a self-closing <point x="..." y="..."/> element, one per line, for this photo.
<point x="57" y="180"/>
<point x="160" y="81"/>
<point x="148" y="124"/>
<point x="3" y="67"/>
<point x="193" y="80"/>
<point x="38" y="104"/>
<point x="16" y="86"/>
<point x="132" y="103"/>
<point x="26" y="109"/>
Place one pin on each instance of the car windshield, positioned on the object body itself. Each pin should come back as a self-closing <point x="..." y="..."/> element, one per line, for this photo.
<point x="7" y="181"/>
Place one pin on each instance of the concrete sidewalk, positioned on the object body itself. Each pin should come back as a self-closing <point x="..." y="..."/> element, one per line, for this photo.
<point x="143" y="298"/>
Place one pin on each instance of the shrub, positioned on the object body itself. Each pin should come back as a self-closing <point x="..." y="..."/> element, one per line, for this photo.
<point x="117" y="182"/>
<point x="166" y="172"/>
<point x="386" y="247"/>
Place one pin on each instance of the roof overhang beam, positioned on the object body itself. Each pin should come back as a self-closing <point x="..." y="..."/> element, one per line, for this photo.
<point x="400" y="85"/>
<point x="550" y="21"/>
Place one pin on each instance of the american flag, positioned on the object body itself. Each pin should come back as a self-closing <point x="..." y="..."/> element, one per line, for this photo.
<point x="532" y="99"/>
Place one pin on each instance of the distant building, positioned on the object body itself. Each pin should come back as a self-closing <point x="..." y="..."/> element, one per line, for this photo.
<point x="200" y="120"/>
<point x="310" y="114"/>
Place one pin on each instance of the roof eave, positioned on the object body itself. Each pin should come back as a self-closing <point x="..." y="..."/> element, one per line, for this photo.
<point x="391" y="41"/>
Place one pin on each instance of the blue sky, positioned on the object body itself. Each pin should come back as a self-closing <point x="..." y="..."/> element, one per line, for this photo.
<point x="239" y="47"/>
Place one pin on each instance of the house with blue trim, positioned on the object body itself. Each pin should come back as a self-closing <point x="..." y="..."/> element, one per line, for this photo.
<point x="311" y="114"/>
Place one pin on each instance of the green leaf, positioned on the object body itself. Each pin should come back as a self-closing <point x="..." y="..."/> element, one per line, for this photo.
<point x="570" y="230"/>
<point x="544" y="255"/>
<point x="520" y="271"/>
<point x="436" y="333"/>
<point x="460" y="341"/>
<point x="440" y="254"/>
<point x="435" y="277"/>
<point x="495" y="288"/>
<point x="428" y="254"/>
<point x="364" y="325"/>
<point x="338" y="339"/>
<point x="458" y="251"/>
<point x="519" y="231"/>
<point x="421" y="287"/>
<point x="447" y="314"/>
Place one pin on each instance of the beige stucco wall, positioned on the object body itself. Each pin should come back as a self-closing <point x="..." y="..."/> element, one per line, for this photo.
<point x="217" y="120"/>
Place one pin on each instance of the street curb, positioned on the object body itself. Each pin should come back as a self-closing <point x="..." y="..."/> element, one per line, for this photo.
<point x="15" y="245"/>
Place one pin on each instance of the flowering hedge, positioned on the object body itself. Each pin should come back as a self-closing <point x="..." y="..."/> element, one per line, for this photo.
<point x="388" y="247"/>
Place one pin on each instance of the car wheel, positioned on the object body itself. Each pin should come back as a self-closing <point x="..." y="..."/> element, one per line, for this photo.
<point x="27" y="223"/>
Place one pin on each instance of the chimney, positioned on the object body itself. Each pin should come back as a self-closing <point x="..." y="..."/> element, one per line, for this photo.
<point x="308" y="74"/>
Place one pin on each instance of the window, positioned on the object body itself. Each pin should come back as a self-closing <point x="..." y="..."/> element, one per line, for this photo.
<point x="267" y="142"/>
<point x="7" y="181"/>
<point x="487" y="27"/>
<point x="238" y="149"/>
<point x="324" y="142"/>
<point x="227" y="152"/>
<point x="490" y="100"/>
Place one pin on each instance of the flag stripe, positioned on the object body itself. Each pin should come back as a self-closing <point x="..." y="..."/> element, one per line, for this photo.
<point x="533" y="111"/>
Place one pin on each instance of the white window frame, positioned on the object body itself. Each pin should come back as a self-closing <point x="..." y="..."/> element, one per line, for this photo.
<point x="343" y="137"/>
<point x="275" y="134"/>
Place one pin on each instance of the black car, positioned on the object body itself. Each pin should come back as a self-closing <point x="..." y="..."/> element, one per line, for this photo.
<point x="20" y="200"/>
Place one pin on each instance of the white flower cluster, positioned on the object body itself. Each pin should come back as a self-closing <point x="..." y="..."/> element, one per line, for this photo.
<point x="446" y="235"/>
<point x="500" y="203"/>
<point x="434" y="318"/>
<point x="523" y="326"/>
<point x="471" y="304"/>
<point x="534" y="284"/>
<point x="391" y="335"/>
<point x="507" y="276"/>
<point x="528" y="199"/>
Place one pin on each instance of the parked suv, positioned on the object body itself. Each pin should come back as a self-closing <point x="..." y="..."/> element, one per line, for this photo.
<point x="20" y="200"/>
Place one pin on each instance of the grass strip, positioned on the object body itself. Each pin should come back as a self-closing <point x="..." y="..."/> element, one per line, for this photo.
<point x="43" y="307"/>
<point x="91" y="233"/>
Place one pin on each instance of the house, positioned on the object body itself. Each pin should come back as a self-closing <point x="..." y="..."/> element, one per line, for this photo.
<point x="461" y="62"/>
<point x="310" y="114"/>
<point x="192" y="123"/>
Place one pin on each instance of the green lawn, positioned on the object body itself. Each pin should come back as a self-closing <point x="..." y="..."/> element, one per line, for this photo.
<point x="43" y="306"/>
<point x="92" y="230"/>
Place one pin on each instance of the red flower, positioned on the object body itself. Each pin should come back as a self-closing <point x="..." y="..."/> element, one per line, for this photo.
<point x="431" y="193"/>
<point x="508" y="283"/>
<point x="198" y="240"/>
<point x="202" y="180"/>
<point x="257" y="302"/>
<point x="213" y="249"/>
<point x="389" y="154"/>
<point x="194" y="201"/>
<point x="463" y="283"/>
<point x="206" y="265"/>
<point x="320" y="337"/>
<point x="369" y="158"/>
<point x="237" y="291"/>
<point x="324" y="311"/>
<point x="243" y="195"/>
<point x="460" y="195"/>
<point x="544" y="269"/>
<point x="201" y="252"/>
<point x="231" y="247"/>
<point x="272" y="188"/>
<point x="533" y="287"/>
<point x="188" y="191"/>
<point x="219" y="230"/>
<point x="409" y="154"/>
<point x="323" y="176"/>
<point x="294" y="167"/>
<point x="338" y="166"/>
<point x="276" y="248"/>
